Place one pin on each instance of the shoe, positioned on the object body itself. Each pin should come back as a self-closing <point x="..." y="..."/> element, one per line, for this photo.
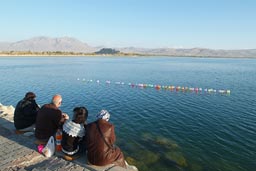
<point x="70" y="158"/>
<point x="27" y="134"/>
<point x="20" y="132"/>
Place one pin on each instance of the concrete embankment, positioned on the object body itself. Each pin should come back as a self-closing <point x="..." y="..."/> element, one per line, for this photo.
<point x="19" y="153"/>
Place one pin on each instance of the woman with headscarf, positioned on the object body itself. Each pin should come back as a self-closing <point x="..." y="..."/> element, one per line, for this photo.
<point x="100" y="139"/>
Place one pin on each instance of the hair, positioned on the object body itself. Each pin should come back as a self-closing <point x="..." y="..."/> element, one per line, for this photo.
<point x="30" y="96"/>
<point x="56" y="100"/>
<point x="80" y="114"/>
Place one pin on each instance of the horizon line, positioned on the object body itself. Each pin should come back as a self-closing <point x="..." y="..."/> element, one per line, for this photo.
<point x="128" y="46"/>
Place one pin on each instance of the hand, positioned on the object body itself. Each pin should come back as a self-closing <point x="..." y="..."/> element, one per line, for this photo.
<point x="65" y="116"/>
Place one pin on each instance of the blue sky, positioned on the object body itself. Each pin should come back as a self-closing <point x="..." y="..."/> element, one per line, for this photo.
<point x="218" y="24"/>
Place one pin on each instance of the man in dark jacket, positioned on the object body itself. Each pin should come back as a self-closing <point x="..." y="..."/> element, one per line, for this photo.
<point x="49" y="119"/>
<point x="25" y="113"/>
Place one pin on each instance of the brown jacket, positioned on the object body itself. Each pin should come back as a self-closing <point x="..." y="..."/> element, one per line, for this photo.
<point x="100" y="152"/>
<point x="47" y="121"/>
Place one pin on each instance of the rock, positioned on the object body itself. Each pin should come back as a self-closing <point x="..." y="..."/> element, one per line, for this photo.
<point x="177" y="157"/>
<point x="7" y="112"/>
<point x="168" y="143"/>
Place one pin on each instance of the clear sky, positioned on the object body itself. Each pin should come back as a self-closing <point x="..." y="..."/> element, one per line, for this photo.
<point x="218" y="24"/>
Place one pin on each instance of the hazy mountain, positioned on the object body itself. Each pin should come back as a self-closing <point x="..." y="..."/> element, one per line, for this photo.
<point x="40" y="44"/>
<point x="4" y="45"/>
<point x="68" y="44"/>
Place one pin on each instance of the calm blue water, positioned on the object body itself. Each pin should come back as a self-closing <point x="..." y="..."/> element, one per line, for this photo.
<point x="201" y="132"/>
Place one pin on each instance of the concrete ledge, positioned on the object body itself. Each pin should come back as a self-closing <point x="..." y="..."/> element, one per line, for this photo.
<point x="19" y="153"/>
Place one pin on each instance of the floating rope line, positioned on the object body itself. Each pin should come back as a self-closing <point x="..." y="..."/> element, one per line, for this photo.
<point x="164" y="87"/>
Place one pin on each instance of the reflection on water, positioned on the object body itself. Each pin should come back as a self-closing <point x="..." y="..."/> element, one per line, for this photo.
<point x="157" y="129"/>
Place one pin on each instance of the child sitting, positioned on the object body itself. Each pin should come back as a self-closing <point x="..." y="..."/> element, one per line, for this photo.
<point x="73" y="133"/>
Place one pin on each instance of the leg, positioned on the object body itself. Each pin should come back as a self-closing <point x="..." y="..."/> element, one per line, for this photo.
<point x="28" y="129"/>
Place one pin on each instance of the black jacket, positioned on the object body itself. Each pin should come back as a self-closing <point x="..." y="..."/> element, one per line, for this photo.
<point x="72" y="142"/>
<point x="25" y="113"/>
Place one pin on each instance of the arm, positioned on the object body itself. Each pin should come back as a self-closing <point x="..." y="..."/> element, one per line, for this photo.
<point x="64" y="117"/>
<point x="30" y="108"/>
<point x="56" y="118"/>
<point x="112" y="135"/>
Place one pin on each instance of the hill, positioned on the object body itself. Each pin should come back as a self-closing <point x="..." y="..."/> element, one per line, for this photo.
<point x="193" y="52"/>
<point x="107" y="51"/>
<point x="69" y="45"/>
<point x="43" y="44"/>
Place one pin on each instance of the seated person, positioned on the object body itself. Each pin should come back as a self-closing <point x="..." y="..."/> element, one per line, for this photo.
<point x="73" y="133"/>
<point x="100" y="139"/>
<point x="49" y="119"/>
<point x="25" y="113"/>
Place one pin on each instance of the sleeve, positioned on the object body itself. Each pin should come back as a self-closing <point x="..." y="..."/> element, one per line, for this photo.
<point x="112" y="135"/>
<point x="18" y="109"/>
<point x="57" y="118"/>
<point x="31" y="109"/>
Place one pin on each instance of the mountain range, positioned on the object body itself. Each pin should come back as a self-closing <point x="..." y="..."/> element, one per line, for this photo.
<point x="42" y="44"/>
<point x="69" y="44"/>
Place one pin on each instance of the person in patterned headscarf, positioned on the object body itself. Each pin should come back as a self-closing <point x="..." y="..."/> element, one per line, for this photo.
<point x="100" y="139"/>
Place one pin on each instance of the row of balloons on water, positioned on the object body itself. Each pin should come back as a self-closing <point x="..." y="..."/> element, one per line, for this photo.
<point x="169" y="87"/>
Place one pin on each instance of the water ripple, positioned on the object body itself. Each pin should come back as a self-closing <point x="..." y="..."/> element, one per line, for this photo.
<point x="203" y="131"/>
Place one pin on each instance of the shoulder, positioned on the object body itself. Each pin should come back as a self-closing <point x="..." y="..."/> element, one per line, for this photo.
<point x="105" y="125"/>
<point x="90" y="124"/>
<point x="45" y="106"/>
<point x="25" y="104"/>
<point x="19" y="103"/>
<point x="50" y="108"/>
<point x="104" y="122"/>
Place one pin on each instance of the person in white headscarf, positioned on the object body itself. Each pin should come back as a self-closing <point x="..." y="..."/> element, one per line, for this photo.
<point x="100" y="139"/>
<point x="103" y="114"/>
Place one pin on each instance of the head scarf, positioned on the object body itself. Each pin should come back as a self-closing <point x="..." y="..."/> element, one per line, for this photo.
<point x="103" y="115"/>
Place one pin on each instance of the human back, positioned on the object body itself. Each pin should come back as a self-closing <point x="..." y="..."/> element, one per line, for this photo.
<point x="100" y="139"/>
<point x="74" y="132"/>
<point x="26" y="112"/>
<point x="49" y="119"/>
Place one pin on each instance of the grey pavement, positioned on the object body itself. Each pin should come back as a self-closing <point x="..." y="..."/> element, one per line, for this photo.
<point x="19" y="153"/>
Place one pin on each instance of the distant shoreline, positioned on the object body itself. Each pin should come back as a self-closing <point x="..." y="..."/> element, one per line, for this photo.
<point x="121" y="55"/>
<point x="96" y="54"/>
<point x="68" y="46"/>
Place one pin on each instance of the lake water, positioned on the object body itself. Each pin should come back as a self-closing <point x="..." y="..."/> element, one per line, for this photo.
<point x="200" y="131"/>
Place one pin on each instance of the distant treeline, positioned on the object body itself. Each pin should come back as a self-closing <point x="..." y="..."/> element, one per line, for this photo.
<point x="104" y="51"/>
